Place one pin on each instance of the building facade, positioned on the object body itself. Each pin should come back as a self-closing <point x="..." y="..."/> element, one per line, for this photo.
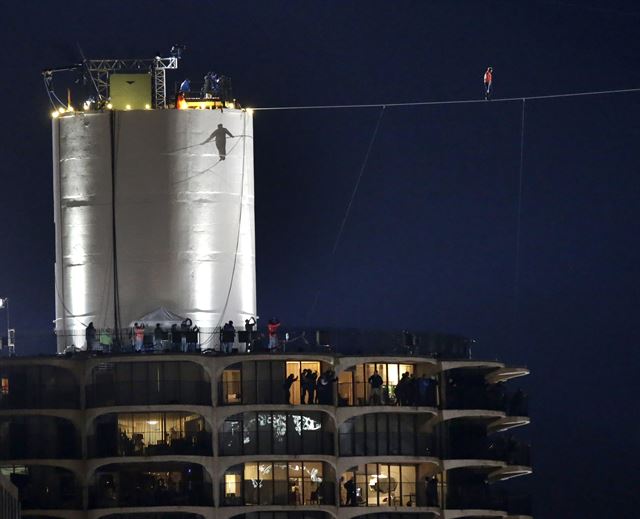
<point x="192" y="436"/>
<point x="9" y="502"/>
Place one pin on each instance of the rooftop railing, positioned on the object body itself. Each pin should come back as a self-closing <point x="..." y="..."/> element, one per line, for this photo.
<point x="291" y="339"/>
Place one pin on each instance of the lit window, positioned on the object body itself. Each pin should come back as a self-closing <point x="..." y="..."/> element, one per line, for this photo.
<point x="4" y="386"/>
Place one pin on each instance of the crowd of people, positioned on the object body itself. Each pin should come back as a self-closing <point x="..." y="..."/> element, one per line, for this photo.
<point x="214" y="86"/>
<point x="313" y="389"/>
<point x="409" y="390"/>
<point x="177" y="338"/>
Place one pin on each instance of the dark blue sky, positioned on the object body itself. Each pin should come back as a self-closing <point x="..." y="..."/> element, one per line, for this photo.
<point x="430" y="242"/>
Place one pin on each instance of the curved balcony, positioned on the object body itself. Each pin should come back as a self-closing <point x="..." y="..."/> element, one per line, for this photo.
<point x="148" y="383"/>
<point x="38" y="387"/>
<point x="46" y="488"/>
<point x="288" y="514"/>
<point x="38" y="437"/>
<point x="155" y="515"/>
<point x="506" y="450"/>
<point x="475" y="499"/>
<point x="419" y="513"/>
<point x="149" y="434"/>
<point x="474" y="398"/>
<point x="150" y="484"/>
<point x="291" y="433"/>
<point x="467" y="489"/>
<point x="278" y="483"/>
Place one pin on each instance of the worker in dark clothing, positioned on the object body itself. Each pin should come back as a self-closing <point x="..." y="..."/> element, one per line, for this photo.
<point x="90" y="336"/>
<point x="324" y="388"/>
<point x="350" y="487"/>
<point x="375" y="383"/>
<point x="431" y="484"/>
<point x="157" y="337"/>
<point x="402" y="389"/>
<point x="220" y="136"/>
<point x="249" y="325"/>
<point x="312" y="377"/>
<point x="287" y="387"/>
<point x="488" y="80"/>
<point x="228" y="336"/>
<point x="207" y="86"/>
<point x="304" y="386"/>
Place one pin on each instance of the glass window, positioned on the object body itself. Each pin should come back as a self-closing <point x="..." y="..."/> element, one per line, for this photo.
<point x="296" y="368"/>
<point x="231" y="386"/>
<point x="345" y="388"/>
<point x="385" y="485"/>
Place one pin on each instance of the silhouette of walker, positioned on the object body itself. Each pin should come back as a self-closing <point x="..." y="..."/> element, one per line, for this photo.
<point x="220" y="136"/>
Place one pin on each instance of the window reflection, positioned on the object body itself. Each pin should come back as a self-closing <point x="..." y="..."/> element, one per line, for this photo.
<point x="276" y="433"/>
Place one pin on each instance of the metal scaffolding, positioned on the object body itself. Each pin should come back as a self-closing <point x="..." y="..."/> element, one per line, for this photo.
<point x="101" y="69"/>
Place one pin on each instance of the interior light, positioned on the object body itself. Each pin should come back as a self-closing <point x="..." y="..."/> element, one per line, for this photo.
<point x="152" y="422"/>
<point x="147" y="106"/>
<point x="54" y="114"/>
<point x="128" y="107"/>
<point x="109" y="106"/>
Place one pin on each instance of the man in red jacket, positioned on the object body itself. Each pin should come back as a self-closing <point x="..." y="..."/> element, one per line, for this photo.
<point x="488" y="78"/>
<point x="272" y="328"/>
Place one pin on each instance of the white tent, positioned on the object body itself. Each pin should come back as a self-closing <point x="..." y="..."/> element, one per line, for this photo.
<point x="161" y="315"/>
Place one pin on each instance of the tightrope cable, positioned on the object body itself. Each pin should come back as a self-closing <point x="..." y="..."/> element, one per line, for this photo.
<point x="452" y="102"/>
<point x="348" y="209"/>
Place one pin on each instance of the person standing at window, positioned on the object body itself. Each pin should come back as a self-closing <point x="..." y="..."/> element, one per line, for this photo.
<point x="287" y="387"/>
<point x="375" y="383"/>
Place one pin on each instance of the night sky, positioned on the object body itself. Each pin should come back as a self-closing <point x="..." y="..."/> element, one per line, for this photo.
<point x="430" y="243"/>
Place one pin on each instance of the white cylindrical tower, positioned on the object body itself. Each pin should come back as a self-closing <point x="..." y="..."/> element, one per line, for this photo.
<point x="173" y="190"/>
